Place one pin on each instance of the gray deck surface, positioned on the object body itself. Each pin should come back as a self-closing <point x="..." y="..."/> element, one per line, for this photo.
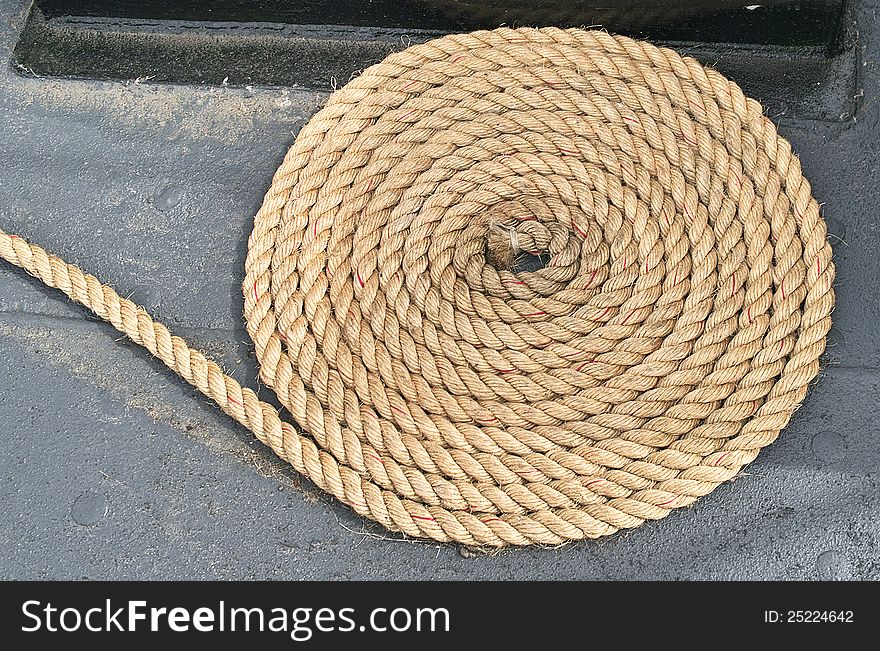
<point x="111" y="467"/>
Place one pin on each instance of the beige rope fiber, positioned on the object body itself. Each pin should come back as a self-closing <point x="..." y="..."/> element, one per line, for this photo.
<point x="439" y="391"/>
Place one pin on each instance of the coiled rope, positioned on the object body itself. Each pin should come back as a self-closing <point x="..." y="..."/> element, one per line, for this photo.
<point x="442" y="392"/>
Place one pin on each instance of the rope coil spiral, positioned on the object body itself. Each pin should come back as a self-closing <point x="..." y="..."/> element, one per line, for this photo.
<point x="443" y="392"/>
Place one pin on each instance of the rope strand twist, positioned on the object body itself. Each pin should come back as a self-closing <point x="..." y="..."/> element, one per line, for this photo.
<point x="442" y="392"/>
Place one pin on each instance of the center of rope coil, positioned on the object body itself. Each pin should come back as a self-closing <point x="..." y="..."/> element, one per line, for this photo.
<point x="509" y="241"/>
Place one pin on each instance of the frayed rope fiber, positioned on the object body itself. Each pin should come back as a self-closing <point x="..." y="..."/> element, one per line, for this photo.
<point x="442" y="392"/>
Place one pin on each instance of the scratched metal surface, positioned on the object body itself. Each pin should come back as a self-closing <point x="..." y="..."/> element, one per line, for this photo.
<point x="112" y="468"/>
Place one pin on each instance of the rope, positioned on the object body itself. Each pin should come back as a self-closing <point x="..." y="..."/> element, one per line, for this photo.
<point x="443" y="393"/>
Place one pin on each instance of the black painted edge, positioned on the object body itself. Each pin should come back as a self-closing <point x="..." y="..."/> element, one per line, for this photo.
<point x="767" y="22"/>
<point x="801" y="81"/>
